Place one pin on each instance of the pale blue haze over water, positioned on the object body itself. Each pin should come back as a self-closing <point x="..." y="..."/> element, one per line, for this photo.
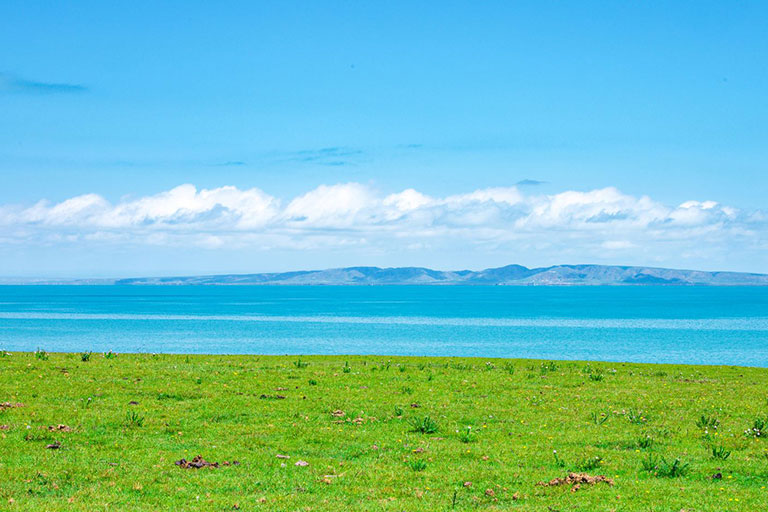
<point x="696" y="325"/>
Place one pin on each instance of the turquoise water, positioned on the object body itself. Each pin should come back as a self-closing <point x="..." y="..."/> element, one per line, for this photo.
<point x="697" y="325"/>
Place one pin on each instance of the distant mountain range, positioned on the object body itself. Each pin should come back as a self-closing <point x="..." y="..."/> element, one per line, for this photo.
<point x="559" y="275"/>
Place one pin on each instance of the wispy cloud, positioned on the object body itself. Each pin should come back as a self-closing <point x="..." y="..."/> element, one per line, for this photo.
<point x="231" y="163"/>
<point x="332" y="156"/>
<point x="530" y="183"/>
<point x="585" y="224"/>
<point x="14" y="84"/>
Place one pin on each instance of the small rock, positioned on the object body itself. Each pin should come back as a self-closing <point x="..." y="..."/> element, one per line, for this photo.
<point x="54" y="446"/>
<point x="281" y="456"/>
<point x="301" y="463"/>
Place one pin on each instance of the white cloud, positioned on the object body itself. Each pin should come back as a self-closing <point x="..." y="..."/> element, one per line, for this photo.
<point x="569" y="224"/>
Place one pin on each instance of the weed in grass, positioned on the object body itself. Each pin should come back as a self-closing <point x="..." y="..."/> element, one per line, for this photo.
<point x="3" y="353"/>
<point x="661" y="467"/>
<point x="346" y="368"/>
<point x="417" y="465"/>
<point x="110" y="355"/>
<point x="598" y="418"/>
<point x="636" y="417"/>
<point x="674" y="469"/>
<point x="759" y="428"/>
<point x="422" y="366"/>
<point x="85" y="356"/>
<point x="550" y="366"/>
<point x="198" y="381"/>
<point x="401" y="367"/>
<point x="41" y="354"/>
<point x="590" y="463"/>
<point x="312" y="382"/>
<point x="133" y="419"/>
<point x="509" y="368"/>
<point x="645" y="441"/>
<point x="707" y="422"/>
<point x="300" y="364"/>
<point x="398" y="411"/>
<point x="558" y="461"/>
<point x="425" y="425"/>
<point x="430" y="377"/>
<point x="467" y="435"/>
<point x="596" y="377"/>
<point x="719" y="452"/>
<point x="489" y="366"/>
<point x="407" y="390"/>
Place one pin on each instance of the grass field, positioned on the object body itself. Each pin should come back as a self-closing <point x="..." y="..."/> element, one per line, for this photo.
<point x="377" y="433"/>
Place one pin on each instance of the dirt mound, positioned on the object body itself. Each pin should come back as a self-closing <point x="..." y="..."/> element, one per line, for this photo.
<point x="577" y="480"/>
<point x="199" y="462"/>
<point x="10" y="405"/>
<point x="59" y="428"/>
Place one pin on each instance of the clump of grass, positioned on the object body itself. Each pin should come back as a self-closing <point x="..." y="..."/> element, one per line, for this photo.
<point x="509" y="368"/>
<point x="598" y="418"/>
<point x="425" y="425"/>
<point x="398" y="411"/>
<point x="719" y="452"/>
<point x="758" y="429"/>
<point x="41" y="354"/>
<point x="417" y="465"/>
<point x="312" y="382"/>
<point x="645" y="441"/>
<point x="590" y="463"/>
<point x="596" y="377"/>
<point x="467" y="435"/>
<point x="550" y="366"/>
<point x="110" y="355"/>
<point x="300" y="364"/>
<point x="707" y="422"/>
<point x="85" y="356"/>
<point x="636" y="417"/>
<point x="661" y="467"/>
<point x="346" y="368"/>
<point x="401" y="367"/>
<point x="407" y="390"/>
<point x="558" y="461"/>
<point x="489" y="365"/>
<point x="4" y="353"/>
<point x="133" y="419"/>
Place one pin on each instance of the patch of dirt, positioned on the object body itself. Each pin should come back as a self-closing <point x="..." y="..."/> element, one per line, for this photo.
<point x="59" y="428"/>
<point x="10" y="405"/>
<point x="338" y="413"/>
<point x="5" y="427"/>
<point x="576" y="480"/>
<point x="302" y="463"/>
<point x="53" y="446"/>
<point x="198" y="462"/>
<point x="272" y="397"/>
<point x="415" y="405"/>
<point x="133" y="402"/>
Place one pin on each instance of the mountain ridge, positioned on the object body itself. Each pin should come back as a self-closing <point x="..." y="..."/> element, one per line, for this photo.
<point x="509" y="275"/>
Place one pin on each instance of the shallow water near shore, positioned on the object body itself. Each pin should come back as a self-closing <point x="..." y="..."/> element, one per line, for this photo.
<point x="692" y="325"/>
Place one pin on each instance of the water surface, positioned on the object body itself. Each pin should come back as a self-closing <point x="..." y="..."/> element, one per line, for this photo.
<point x="696" y="325"/>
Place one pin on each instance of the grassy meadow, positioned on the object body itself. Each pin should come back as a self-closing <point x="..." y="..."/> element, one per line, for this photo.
<point x="104" y="432"/>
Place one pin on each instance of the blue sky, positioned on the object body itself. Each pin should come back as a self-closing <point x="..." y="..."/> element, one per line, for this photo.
<point x="350" y="104"/>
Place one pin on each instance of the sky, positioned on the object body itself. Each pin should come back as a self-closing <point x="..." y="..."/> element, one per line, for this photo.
<point x="167" y="138"/>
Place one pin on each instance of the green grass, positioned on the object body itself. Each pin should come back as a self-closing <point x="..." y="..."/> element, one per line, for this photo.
<point x="377" y="433"/>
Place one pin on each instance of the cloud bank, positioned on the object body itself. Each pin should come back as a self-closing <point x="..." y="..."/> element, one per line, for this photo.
<point x="569" y="224"/>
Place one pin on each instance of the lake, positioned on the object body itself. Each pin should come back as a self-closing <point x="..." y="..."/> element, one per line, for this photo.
<point x="693" y="325"/>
